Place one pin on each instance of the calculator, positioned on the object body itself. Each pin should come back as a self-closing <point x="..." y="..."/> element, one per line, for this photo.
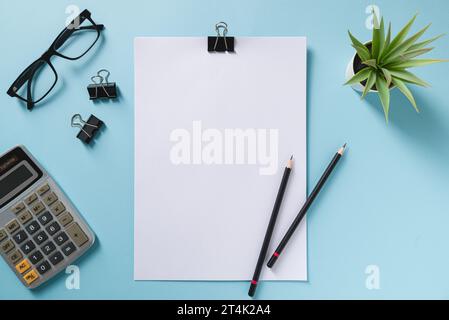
<point x="41" y="231"/>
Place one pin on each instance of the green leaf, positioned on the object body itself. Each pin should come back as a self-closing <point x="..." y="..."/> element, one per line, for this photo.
<point x="402" y="34"/>
<point x="359" y="76"/>
<point x="361" y="49"/>
<point x="401" y="48"/>
<point x="406" y="92"/>
<point x="362" y="52"/>
<point x="387" y="43"/>
<point x="384" y="94"/>
<point x="369" y="83"/>
<point x="413" y="63"/>
<point x="414" y="53"/>
<point x="378" y="38"/>
<point x="387" y="75"/>
<point x="408" y="77"/>
<point x="388" y="39"/>
<point x="381" y="39"/>
<point x="425" y="43"/>
<point x="371" y="63"/>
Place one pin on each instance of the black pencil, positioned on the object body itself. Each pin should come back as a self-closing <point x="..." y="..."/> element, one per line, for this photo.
<point x="306" y="206"/>
<point x="270" y="228"/>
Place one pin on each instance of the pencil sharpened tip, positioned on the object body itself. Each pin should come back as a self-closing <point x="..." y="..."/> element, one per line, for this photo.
<point x="291" y="158"/>
<point x="342" y="149"/>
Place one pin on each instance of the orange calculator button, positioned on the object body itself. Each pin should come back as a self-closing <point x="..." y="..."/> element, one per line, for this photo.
<point x="23" y="266"/>
<point x="30" y="277"/>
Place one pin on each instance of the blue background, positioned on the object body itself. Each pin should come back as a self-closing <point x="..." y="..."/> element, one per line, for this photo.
<point x="386" y="205"/>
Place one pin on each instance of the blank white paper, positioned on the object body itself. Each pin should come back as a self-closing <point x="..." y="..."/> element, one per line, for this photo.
<point x="202" y="214"/>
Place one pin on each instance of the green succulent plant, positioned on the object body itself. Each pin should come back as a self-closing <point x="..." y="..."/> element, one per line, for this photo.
<point x="388" y="59"/>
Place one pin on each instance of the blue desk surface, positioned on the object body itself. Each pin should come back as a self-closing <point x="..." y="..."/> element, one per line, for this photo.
<point x="387" y="204"/>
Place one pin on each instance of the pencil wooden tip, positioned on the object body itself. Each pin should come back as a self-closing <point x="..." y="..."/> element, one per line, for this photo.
<point x="342" y="149"/>
<point x="290" y="163"/>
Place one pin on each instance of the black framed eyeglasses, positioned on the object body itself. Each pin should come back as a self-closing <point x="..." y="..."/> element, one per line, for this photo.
<point x="41" y="77"/>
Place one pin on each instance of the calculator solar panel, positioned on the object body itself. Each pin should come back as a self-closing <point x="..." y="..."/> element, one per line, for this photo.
<point x="41" y="232"/>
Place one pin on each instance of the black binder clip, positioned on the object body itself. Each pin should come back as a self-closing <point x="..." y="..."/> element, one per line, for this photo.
<point x="220" y="43"/>
<point x="101" y="88"/>
<point x="88" y="129"/>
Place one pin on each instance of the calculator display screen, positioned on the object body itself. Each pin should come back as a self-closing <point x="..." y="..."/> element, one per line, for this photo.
<point x="17" y="173"/>
<point x="14" y="179"/>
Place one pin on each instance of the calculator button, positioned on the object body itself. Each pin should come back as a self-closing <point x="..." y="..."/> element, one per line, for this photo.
<point x="40" y="237"/>
<point x="43" y="189"/>
<point x="50" y="198"/>
<point x="68" y="249"/>
<point x="23" y="266"/>
<point x="37" y="207"/>
<point x="12" y="226"/>
<point x="30" y="199"/>
<point x="15" y="257"/>
<point x="58" y="208"/>
<point x="30" y="277"/>
<point x="45" y="218"/>
<point x="43" y="267"/>
<point x="27" y="247"/>
<point x="24" y="217"/>
<point x="18" y="207"/>
<point x="65" y="218"/>
<point x="20" y="237"/>
<point x="78" y="236"/>
<point x="61" y="238"/>
<point x="32" y="227"/>
<point x="7" y="246"/>
<point x="3" y="235"/>
<point x="48" y="248"/>
<point x="36" y="257"/>
<point x="53" y="228"/>
<point x="56" y="258"/>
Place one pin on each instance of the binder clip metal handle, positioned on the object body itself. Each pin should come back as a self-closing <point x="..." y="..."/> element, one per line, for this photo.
<point x="221" y="42"/>
<point x="101" y="87"/>
<point x="88" y="128"/>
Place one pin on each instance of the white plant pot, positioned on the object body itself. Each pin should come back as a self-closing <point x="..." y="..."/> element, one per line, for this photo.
<point x="350" y="73"/>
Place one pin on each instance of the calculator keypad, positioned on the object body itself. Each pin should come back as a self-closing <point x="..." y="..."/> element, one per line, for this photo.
<point x="45" y="218"/>
<point x="3" y="235"/>
<point x="23" y="266"/>
<point x="28" y="247"/>
<point x="65" y="218"/>
<point x="43" y="189"/>
<point x="33" y="227"/>
<point x="50" y="198"/>
<point x="20" y="237"/>
<point x="15" y="257"/>
<point x="56" y="258"/>
<point x="61" y="238"/>
<point x="7" y="246"/>
<point x="53" y="228"/>
<point x="24" y="216"/>
<point x="37" y="207"/>
<point x="68" y="249"/>
<point x="42" y="235"/>
<point x="36" y="257"/>
<point x="12" y="226"/>
<point x="48" y="248"/>
<point x="30" y="277"/>
<point x="77" y="235"/>
<point x="30" y="199"/>
<point x="17" y="208"/>
<point x="58" y="208"/>
<point x="43" y="267"/>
